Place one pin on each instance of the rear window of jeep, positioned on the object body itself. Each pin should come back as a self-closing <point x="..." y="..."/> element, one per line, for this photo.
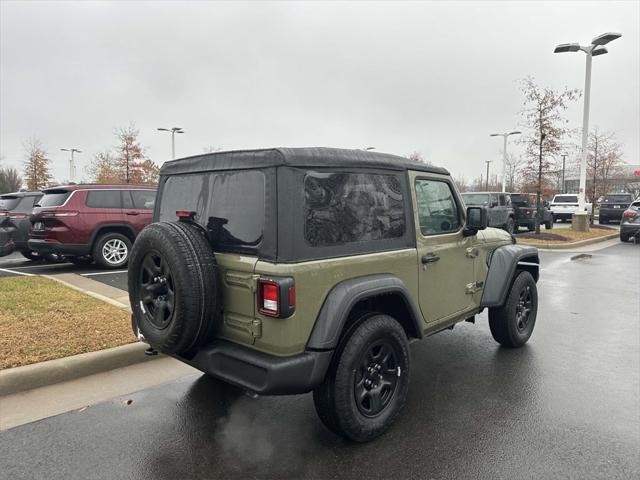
<point x="229" y="203"/>
<point x="343" y="208"/>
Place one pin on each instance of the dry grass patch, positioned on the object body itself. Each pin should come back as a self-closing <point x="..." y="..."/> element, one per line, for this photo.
<point x="563" y="236"/>
<point x="41" y="319"/>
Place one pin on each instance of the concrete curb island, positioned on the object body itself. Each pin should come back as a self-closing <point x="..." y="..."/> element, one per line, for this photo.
<point x="28" y="377"/>
<point x="570" y="245"/>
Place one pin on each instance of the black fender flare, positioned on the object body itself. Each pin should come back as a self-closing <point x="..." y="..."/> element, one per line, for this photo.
<point x="345" y="295"/>
<point x="503" y="263"/>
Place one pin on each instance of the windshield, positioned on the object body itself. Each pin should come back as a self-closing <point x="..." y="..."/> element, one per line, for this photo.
<point x="476" y="198"/>
<point x="520" y="200"/>
<point x="53" y="198"/>
<point x="618" y="199"/>
<point x="566" y="199"/>
<point x="8" y="202"/>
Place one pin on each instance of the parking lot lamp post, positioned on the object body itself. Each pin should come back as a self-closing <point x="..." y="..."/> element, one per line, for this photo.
<point x="539" y="190"/>
<point x="487" y="162"/>
<point x="595" y="49"/>
<point x="504" y="154"/>
<point x="72" y="163"/>
<point x="564" y="156"/>
<point x="173" y="132"/>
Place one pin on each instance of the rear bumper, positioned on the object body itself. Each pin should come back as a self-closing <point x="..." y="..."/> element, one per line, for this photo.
<point x="69" y="249"/>
<point x="611" y="213"/>
<point x="260" y="372"/>
<point x="630" y="228"/>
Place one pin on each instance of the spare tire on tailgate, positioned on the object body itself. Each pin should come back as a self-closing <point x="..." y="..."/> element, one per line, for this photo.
<point x="174" y="287"/>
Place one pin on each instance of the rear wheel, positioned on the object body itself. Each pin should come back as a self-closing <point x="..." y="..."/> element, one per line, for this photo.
<point x="512" y="324"/>
<point x="83" y="260"/>
<point x="31" y="255"/>
<point x="112" y="250"/>
<point x="624" y="237"/>
<point x="366" y="386"/>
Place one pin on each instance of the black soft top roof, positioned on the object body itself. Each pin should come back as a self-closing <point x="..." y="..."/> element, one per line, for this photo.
<point x="295" y="157"/>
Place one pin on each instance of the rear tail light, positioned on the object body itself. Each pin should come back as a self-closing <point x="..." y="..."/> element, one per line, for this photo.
<point x="60" y="213"/>
<point x="630" y="214"/>
<point x="276" y="297"/>
<point x="18" y="216"/>
<point x="4" y="214"/>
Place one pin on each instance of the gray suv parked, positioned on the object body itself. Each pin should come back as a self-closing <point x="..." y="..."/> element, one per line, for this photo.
<point x="500" y="212"/>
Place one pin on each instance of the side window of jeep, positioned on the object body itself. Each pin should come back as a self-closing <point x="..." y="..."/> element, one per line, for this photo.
<point x="437" y="209"/>
<point x="343" y="208"/>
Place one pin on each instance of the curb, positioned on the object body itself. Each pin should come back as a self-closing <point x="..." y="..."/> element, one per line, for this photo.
<point x="28" y="377"/>
<point x="570" y="245"/>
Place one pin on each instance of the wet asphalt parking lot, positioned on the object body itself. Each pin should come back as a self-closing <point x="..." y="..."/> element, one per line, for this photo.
<point x="567" y="405"/>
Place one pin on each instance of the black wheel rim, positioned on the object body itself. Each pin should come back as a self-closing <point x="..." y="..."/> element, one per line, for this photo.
<point x="523" y="309"/>
<point x="156" y="289"/>
<point x="376" y="378"/>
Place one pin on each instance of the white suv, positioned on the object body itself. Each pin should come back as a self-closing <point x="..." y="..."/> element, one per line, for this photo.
<point x="564" y="205"/>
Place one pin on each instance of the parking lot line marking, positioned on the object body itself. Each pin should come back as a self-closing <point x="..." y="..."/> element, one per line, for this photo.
<point x="17" y="273"/>
<point x="102" y="273"/>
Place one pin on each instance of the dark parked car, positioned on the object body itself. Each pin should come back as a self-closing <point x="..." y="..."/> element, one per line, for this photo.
<point x="91" y="222"/>
<point x="612" y="206"/>
<point x="630" y="223"/>
<point x="499" y="210"/>
<point x="15" y="225"/>
<point x="524" y="207"/>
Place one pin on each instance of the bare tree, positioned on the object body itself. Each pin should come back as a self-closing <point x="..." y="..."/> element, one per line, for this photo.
<point x="37" y="172"/>
<point x="461" y="183"/>
<point x="603" y="158"/>
<point x="514" y="166"/>
<point x="211" y="149"/>
<point x="544" y="128"/>
<point x="10" y="180"/>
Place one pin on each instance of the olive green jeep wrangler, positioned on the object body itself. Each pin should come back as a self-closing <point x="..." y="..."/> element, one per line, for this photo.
<point x="291" y="270"/>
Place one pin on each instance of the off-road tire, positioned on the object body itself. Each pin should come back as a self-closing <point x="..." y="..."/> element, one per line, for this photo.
<point x="602" y="221"/>
<point x="548" y="225"/>
<point x="625" y="237"/>
<point x="509" y="225"/>
<point x="98" y="253"/>
<point x="504" y="322"/>
<point x="82" y="260"/>
<point x="31" y="255"/>
<point x="335" y="400"/>
<point x="192" y="274"/>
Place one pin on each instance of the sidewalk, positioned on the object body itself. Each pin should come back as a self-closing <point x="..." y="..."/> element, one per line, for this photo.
<point x="99" y="290"/>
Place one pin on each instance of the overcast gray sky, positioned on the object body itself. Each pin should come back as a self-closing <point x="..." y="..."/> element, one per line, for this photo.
<point x="436" y="77"/>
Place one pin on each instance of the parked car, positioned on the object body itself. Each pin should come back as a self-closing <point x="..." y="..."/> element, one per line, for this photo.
<point x="563" y="206"/>
<point x="612" y="206"/>
<point x="15" y="225"/>
<point x="286" y="271"/>
<point x="88" y="223"/>
<point x="524" y="207"/>
<point x="630" y="222"/>
<point x="500" y="212"/>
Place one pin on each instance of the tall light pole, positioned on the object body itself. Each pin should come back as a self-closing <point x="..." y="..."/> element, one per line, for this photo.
<point x="564" y="156"/>
<point x="504" y="154"/>
<point x="595" y="49"/>
<point x="173" y="131"/>
<point x="72" y="163"/>
<point x="487" y="162"/>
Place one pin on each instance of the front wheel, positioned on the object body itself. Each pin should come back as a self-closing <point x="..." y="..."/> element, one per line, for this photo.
<point x="509" y="226"/>
<point x="366" y="386"/>
<point x="548" y="225"/>
<point x="512" y="324"/>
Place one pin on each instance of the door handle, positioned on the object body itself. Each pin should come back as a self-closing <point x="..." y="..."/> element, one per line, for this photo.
<point x="430" y="258"/>
<point x="133" y="213"/>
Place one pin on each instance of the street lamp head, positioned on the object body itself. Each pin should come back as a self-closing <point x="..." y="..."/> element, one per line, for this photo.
<point x="65" y="150"/>
<point x="495" y="135"/>
<point x="567" y="47"/>
<point x="515" y="132"/>
<point x="175" y="129"/>
<point x="605" y="38"/>
<point x="599" y="51"/>
<point x="163" y="129"/>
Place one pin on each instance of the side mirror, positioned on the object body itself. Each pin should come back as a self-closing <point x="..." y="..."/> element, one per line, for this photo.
<point x="476" y="220"/>
<point x="494" y="203"/>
